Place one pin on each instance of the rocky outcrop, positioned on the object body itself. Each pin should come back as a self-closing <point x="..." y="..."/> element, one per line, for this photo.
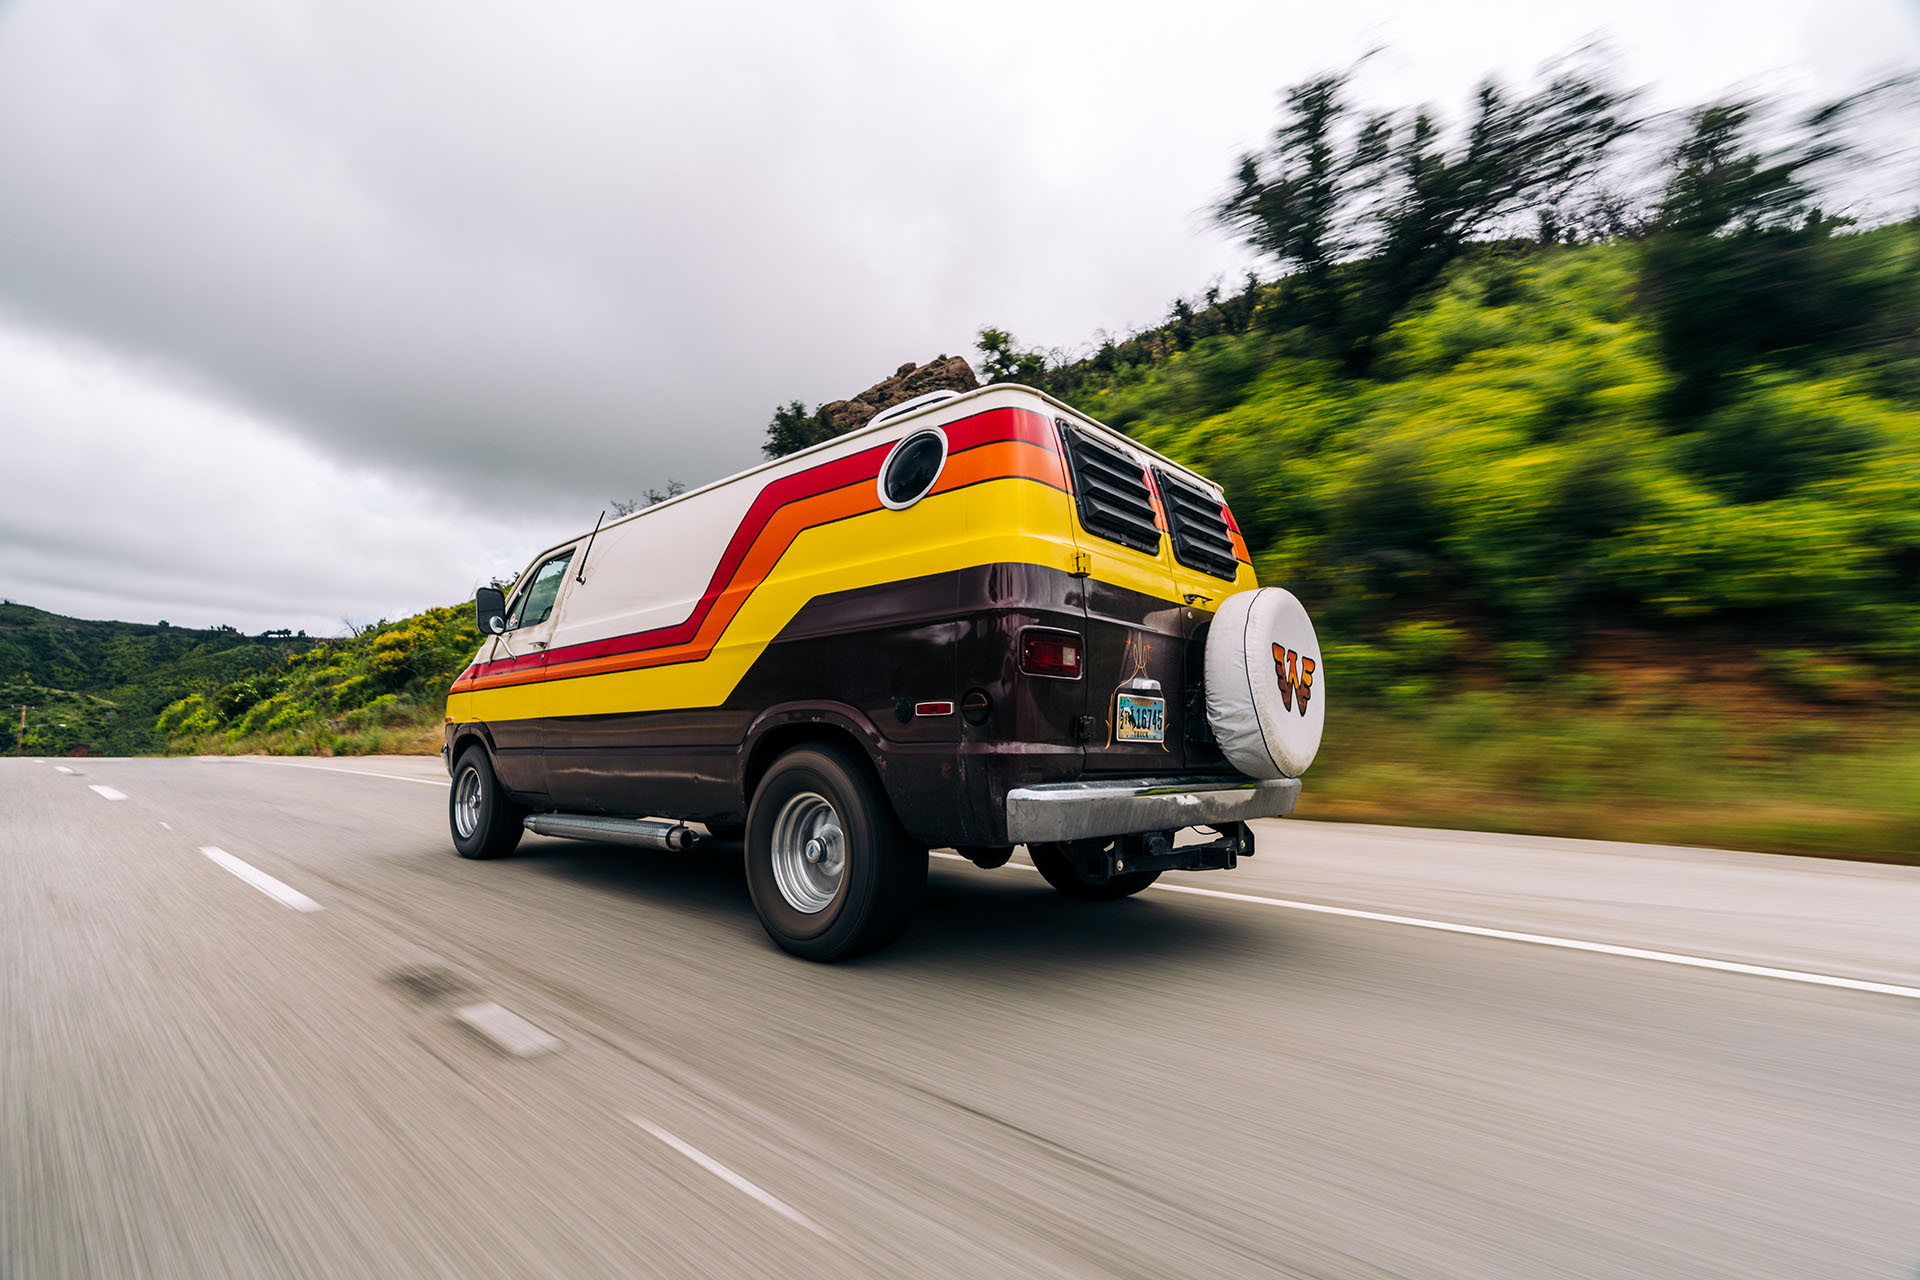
<point x="947" y="373"/>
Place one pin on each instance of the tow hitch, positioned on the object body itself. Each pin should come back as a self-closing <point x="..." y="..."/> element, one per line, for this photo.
<point x="1098" y="861"/>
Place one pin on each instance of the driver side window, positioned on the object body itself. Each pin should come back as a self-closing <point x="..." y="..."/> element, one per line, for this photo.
<point x="533" y="603"/>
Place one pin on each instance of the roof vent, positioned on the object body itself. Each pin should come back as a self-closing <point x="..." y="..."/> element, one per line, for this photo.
<point x="910" y="406"/>
<point x="1198" y="525"/>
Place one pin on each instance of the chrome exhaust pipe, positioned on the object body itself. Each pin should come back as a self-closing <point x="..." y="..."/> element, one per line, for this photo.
<point x="643" y="833"/>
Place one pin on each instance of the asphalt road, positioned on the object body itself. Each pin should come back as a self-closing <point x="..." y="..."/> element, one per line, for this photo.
<point x="207" y="1075"/>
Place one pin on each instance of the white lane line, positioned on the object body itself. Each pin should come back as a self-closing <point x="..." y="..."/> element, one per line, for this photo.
<point x="38" y="761"/>
<point x="60" y="768"/>
<point x="169" y="827"/>
<point x="733" y="1179"/>
<point x="106" y="793"/>
<point x="365" y="773"/>
<point x="1538" y="939"/>
<point x="508" y="1030"/>
<point x="261" y="880"/>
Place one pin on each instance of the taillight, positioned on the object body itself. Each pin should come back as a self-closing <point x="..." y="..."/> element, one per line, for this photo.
<point x="1058" y="654"/>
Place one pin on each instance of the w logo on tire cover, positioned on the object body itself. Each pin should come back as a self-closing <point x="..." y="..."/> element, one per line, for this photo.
<point x="1295" y="671"/>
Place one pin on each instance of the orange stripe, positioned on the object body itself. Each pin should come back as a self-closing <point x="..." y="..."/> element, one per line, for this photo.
<point x="785" y="525"/>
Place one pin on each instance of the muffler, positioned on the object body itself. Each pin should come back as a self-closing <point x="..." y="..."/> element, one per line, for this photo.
<point x="643" y="833"/>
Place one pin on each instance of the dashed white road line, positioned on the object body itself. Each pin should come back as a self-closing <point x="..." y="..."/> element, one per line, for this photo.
<point x="1538" y="939"/>
<point x="106" y="793"/>
<point x="261" y="880"/>
<point x="167" y="825"/>
<point x="365" y="773"/>
<point x="507" y="1029"/>
<point x="733" y="1179"/>
<point x="60" y="768"/>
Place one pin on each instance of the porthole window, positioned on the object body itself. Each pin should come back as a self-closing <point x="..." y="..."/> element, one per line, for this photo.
<point x="910" y="470"/>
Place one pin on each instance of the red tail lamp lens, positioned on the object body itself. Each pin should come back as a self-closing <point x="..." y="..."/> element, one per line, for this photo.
<point x="1059" y="654"/>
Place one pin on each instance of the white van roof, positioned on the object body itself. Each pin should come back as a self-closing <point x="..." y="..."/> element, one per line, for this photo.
<point x="887" y="422"/>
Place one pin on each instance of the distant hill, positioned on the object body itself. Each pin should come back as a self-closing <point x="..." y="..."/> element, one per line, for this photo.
<point x="124" y="688"/>
<point x="94" y="688"/>
<point x="381" y="690"/>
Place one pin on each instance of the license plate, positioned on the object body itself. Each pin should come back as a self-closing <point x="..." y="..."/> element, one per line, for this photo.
<point x="1140" y="719"/>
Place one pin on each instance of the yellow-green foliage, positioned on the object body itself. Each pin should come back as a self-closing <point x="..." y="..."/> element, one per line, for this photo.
<point x="383" y="689"/>
<point x="1511" y="465"/>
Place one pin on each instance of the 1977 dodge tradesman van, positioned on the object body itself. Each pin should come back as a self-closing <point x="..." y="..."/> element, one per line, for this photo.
<point x="981" y="621"/>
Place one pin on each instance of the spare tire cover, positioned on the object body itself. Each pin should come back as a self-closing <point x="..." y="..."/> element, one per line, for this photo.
<point x="1266" y="683"/>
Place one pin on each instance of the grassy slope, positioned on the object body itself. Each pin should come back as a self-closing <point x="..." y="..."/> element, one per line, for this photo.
<point x="1663" y="753"/>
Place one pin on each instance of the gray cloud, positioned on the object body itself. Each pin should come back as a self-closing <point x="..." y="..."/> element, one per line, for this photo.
<point x="504" y="262"/>
<point x="503" y="250"/>
<point x="205" y="515"/>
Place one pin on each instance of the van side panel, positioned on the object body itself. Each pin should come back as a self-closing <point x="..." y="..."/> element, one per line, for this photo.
<point x="822" y="534"/>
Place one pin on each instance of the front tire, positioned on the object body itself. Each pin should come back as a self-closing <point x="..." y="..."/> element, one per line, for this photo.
<point x="830" y="870"/>
<point x="1057" y="869"/>
<point x="485" y="824"/>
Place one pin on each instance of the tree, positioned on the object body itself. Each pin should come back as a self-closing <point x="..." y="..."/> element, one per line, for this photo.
<point x="1365" y="216"/>
<point x="1001" y="363"/>
<point x="794" y="429"/>
<point x="673" y="490"/>
<point x="627" y="506"/>
<point x="1743" y="266"/>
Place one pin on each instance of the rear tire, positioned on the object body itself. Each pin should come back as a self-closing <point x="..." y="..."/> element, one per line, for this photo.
<point x="484" y="822"/>
<point x="830" y="870"/>
<point x="1057" y="869"/>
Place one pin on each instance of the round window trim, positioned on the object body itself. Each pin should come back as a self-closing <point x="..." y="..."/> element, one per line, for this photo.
<point x="893" y="455"/>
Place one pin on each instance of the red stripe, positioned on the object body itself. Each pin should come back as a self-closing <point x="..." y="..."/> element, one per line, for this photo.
<point x="1240" y="551"/>
<point x="993" y="426"/>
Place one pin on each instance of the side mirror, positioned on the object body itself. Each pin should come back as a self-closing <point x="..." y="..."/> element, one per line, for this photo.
<point x="490" y="604"/>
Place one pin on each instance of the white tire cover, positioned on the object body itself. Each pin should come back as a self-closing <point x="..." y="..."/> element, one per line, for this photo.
<point x="1266" y="683"/>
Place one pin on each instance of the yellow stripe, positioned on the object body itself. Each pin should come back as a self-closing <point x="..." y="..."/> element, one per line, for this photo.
<point x="999" y="522"/>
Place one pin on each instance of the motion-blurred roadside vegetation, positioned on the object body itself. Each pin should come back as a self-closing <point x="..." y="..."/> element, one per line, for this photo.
<point x="1494" y="397"/>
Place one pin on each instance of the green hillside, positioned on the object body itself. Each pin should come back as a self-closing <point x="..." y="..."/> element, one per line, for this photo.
<point x="1513" y="473"/>
<point x="95" y="687"/>
<point x="382" y="690"/>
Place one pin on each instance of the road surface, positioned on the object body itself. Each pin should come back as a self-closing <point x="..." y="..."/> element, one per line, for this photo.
<point x="256" y="1019"/>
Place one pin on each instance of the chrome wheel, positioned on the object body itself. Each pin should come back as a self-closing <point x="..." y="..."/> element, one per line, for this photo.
<point x="466" y="803"/>
<point x="809" y="853"/>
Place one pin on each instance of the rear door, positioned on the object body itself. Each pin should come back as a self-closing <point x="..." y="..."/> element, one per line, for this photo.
<point x="1136" y="621"/>
<point x="1209" y="563"/>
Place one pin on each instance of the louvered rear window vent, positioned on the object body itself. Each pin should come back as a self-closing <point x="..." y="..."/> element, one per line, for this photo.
<point x="1111" y="491"/>
<point x="1198" y="525"/>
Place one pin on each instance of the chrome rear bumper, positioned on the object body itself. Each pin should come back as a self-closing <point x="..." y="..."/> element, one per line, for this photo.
<point x="1121" y="806"/>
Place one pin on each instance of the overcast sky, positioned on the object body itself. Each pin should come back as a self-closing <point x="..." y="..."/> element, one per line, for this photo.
<point x="330" y="310"/>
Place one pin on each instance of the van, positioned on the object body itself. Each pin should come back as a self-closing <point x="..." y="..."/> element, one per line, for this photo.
<point x="982" y="621"/>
